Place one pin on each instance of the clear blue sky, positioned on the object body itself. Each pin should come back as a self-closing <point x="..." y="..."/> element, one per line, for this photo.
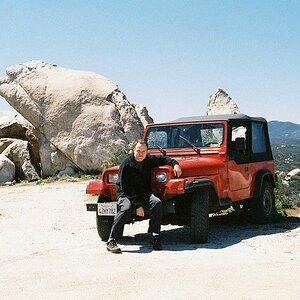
<point x="167" y="55"/>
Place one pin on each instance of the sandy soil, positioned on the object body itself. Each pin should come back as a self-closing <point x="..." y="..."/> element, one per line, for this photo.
<point x="50" y="250"/>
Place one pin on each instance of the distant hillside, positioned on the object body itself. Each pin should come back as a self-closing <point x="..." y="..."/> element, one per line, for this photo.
<point x="284" y="132"/>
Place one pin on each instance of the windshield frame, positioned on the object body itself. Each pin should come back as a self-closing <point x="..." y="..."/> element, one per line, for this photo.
<point x="185" y="127"/>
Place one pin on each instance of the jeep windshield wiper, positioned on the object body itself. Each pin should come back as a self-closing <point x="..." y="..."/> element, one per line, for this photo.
<point x="161" y="149"/>
<point x="195" y="148"/>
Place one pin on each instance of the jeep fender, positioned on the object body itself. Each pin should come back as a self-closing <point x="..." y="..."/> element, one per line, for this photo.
<point x="97" y="187"/>
<point x="204" y="183"/>
<point x="94" y="187"/>
<point x="262" y="175"/>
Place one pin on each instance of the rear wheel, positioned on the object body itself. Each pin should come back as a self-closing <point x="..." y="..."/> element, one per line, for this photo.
<point x="199" y="217"/>
<point x="262" y="208"/>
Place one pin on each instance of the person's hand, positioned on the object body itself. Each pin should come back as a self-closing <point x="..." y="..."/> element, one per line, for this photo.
<point x="140" y="212"/>
<point x="177" y="171"/>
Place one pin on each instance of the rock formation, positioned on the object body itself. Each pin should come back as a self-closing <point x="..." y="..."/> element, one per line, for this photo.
<point x="19" y="144"/>
<point x="143" y="114"/>
<point x="220" y="103"/>
<point x="292" y="173"/>
<point x="18" y="152"/>
<point x="80" y="118"/>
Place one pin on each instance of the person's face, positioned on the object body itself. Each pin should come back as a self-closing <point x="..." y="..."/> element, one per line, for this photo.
<point x="140" y="152"/>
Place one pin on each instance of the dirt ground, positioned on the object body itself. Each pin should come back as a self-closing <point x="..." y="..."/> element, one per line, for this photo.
<point x="50" y="249"/>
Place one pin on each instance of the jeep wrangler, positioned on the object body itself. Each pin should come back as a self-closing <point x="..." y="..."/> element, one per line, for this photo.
<point x="226" y="160"/>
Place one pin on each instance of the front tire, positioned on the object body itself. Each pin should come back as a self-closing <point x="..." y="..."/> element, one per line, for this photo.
<point x="262" y="208"/>
<point x="103" y="223"/>
<point x="199" y="217"/>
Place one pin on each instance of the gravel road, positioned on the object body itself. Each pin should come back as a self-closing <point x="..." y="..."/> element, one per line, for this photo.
<point x="50" y="250"/>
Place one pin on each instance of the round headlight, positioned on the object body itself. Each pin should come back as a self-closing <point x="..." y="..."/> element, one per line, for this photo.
<point x="113" y="177"/>
<point x="161" y="177"/>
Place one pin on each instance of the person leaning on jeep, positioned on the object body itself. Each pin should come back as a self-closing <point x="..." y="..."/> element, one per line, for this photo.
<point x="134" y="192"/>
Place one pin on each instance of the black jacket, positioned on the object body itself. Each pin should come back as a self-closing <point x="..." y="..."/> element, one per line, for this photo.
<point x="134" y="183"/>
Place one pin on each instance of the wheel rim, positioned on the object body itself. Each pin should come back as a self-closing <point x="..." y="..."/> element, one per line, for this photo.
<point x="267" y="201"/>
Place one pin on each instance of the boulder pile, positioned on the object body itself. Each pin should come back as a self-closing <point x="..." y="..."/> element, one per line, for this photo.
<point x="77" y="119"/>
<point x="19" y="156"/>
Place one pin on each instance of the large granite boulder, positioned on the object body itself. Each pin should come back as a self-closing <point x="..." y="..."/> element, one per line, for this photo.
<point x="220" y="103"/>
<point x="7" y="169"/>
<point x="81" y="118"/>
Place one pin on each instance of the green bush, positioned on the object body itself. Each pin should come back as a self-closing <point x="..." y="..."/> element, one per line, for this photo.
<point x="296" y="180"/>
<point x="116" y="158"/>
<point x="287" y="158"/>
<point x="281" y="199"/>
<point x="287" y="196"/>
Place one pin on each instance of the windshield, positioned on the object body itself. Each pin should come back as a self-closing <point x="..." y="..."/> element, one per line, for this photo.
<point x="185" y="136"/>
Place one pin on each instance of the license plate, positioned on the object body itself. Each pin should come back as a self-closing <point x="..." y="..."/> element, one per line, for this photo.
<point x="107" y="209"/>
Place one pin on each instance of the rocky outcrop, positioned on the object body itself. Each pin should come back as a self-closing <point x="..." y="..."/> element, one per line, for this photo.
<point x="19" y="144"/>
<point x="292" y="173"/>
<point x="7" y="169"/>
<point x="220" y="103"/>
<point x="143" y="114"/>
<point x="80" y="118"/>
<point x="18" y="152"/>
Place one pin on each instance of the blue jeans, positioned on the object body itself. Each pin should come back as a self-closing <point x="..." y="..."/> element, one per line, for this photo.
<point x="152" y="206"/>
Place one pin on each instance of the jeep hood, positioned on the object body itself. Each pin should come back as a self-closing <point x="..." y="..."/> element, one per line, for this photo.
<point x="200" y="166"/>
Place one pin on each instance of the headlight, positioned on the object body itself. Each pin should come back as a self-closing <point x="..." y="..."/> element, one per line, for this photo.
<point x="113" y="177"/>
<point x="161" y="177"/>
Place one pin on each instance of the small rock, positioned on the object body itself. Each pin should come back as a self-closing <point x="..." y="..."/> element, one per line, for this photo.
<point x="7" y="169"/>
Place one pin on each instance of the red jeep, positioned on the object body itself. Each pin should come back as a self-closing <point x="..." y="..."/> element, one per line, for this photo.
<point x="226" y="161"/>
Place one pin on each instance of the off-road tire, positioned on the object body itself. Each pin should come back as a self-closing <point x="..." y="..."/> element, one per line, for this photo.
<point x="104" y="224"/>
<point x="262" y="207"/>
<point x="199" y="217"/>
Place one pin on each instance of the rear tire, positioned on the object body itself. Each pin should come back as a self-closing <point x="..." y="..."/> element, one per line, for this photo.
<point x="262" y="208"/>
<point x="199" y="217"/>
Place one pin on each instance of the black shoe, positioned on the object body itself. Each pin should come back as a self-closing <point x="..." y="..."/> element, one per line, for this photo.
<point x="113" y="247"/>
<point x="156" y="243"/>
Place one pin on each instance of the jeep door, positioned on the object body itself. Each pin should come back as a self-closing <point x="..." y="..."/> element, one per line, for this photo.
<point x="239" y="159"/>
